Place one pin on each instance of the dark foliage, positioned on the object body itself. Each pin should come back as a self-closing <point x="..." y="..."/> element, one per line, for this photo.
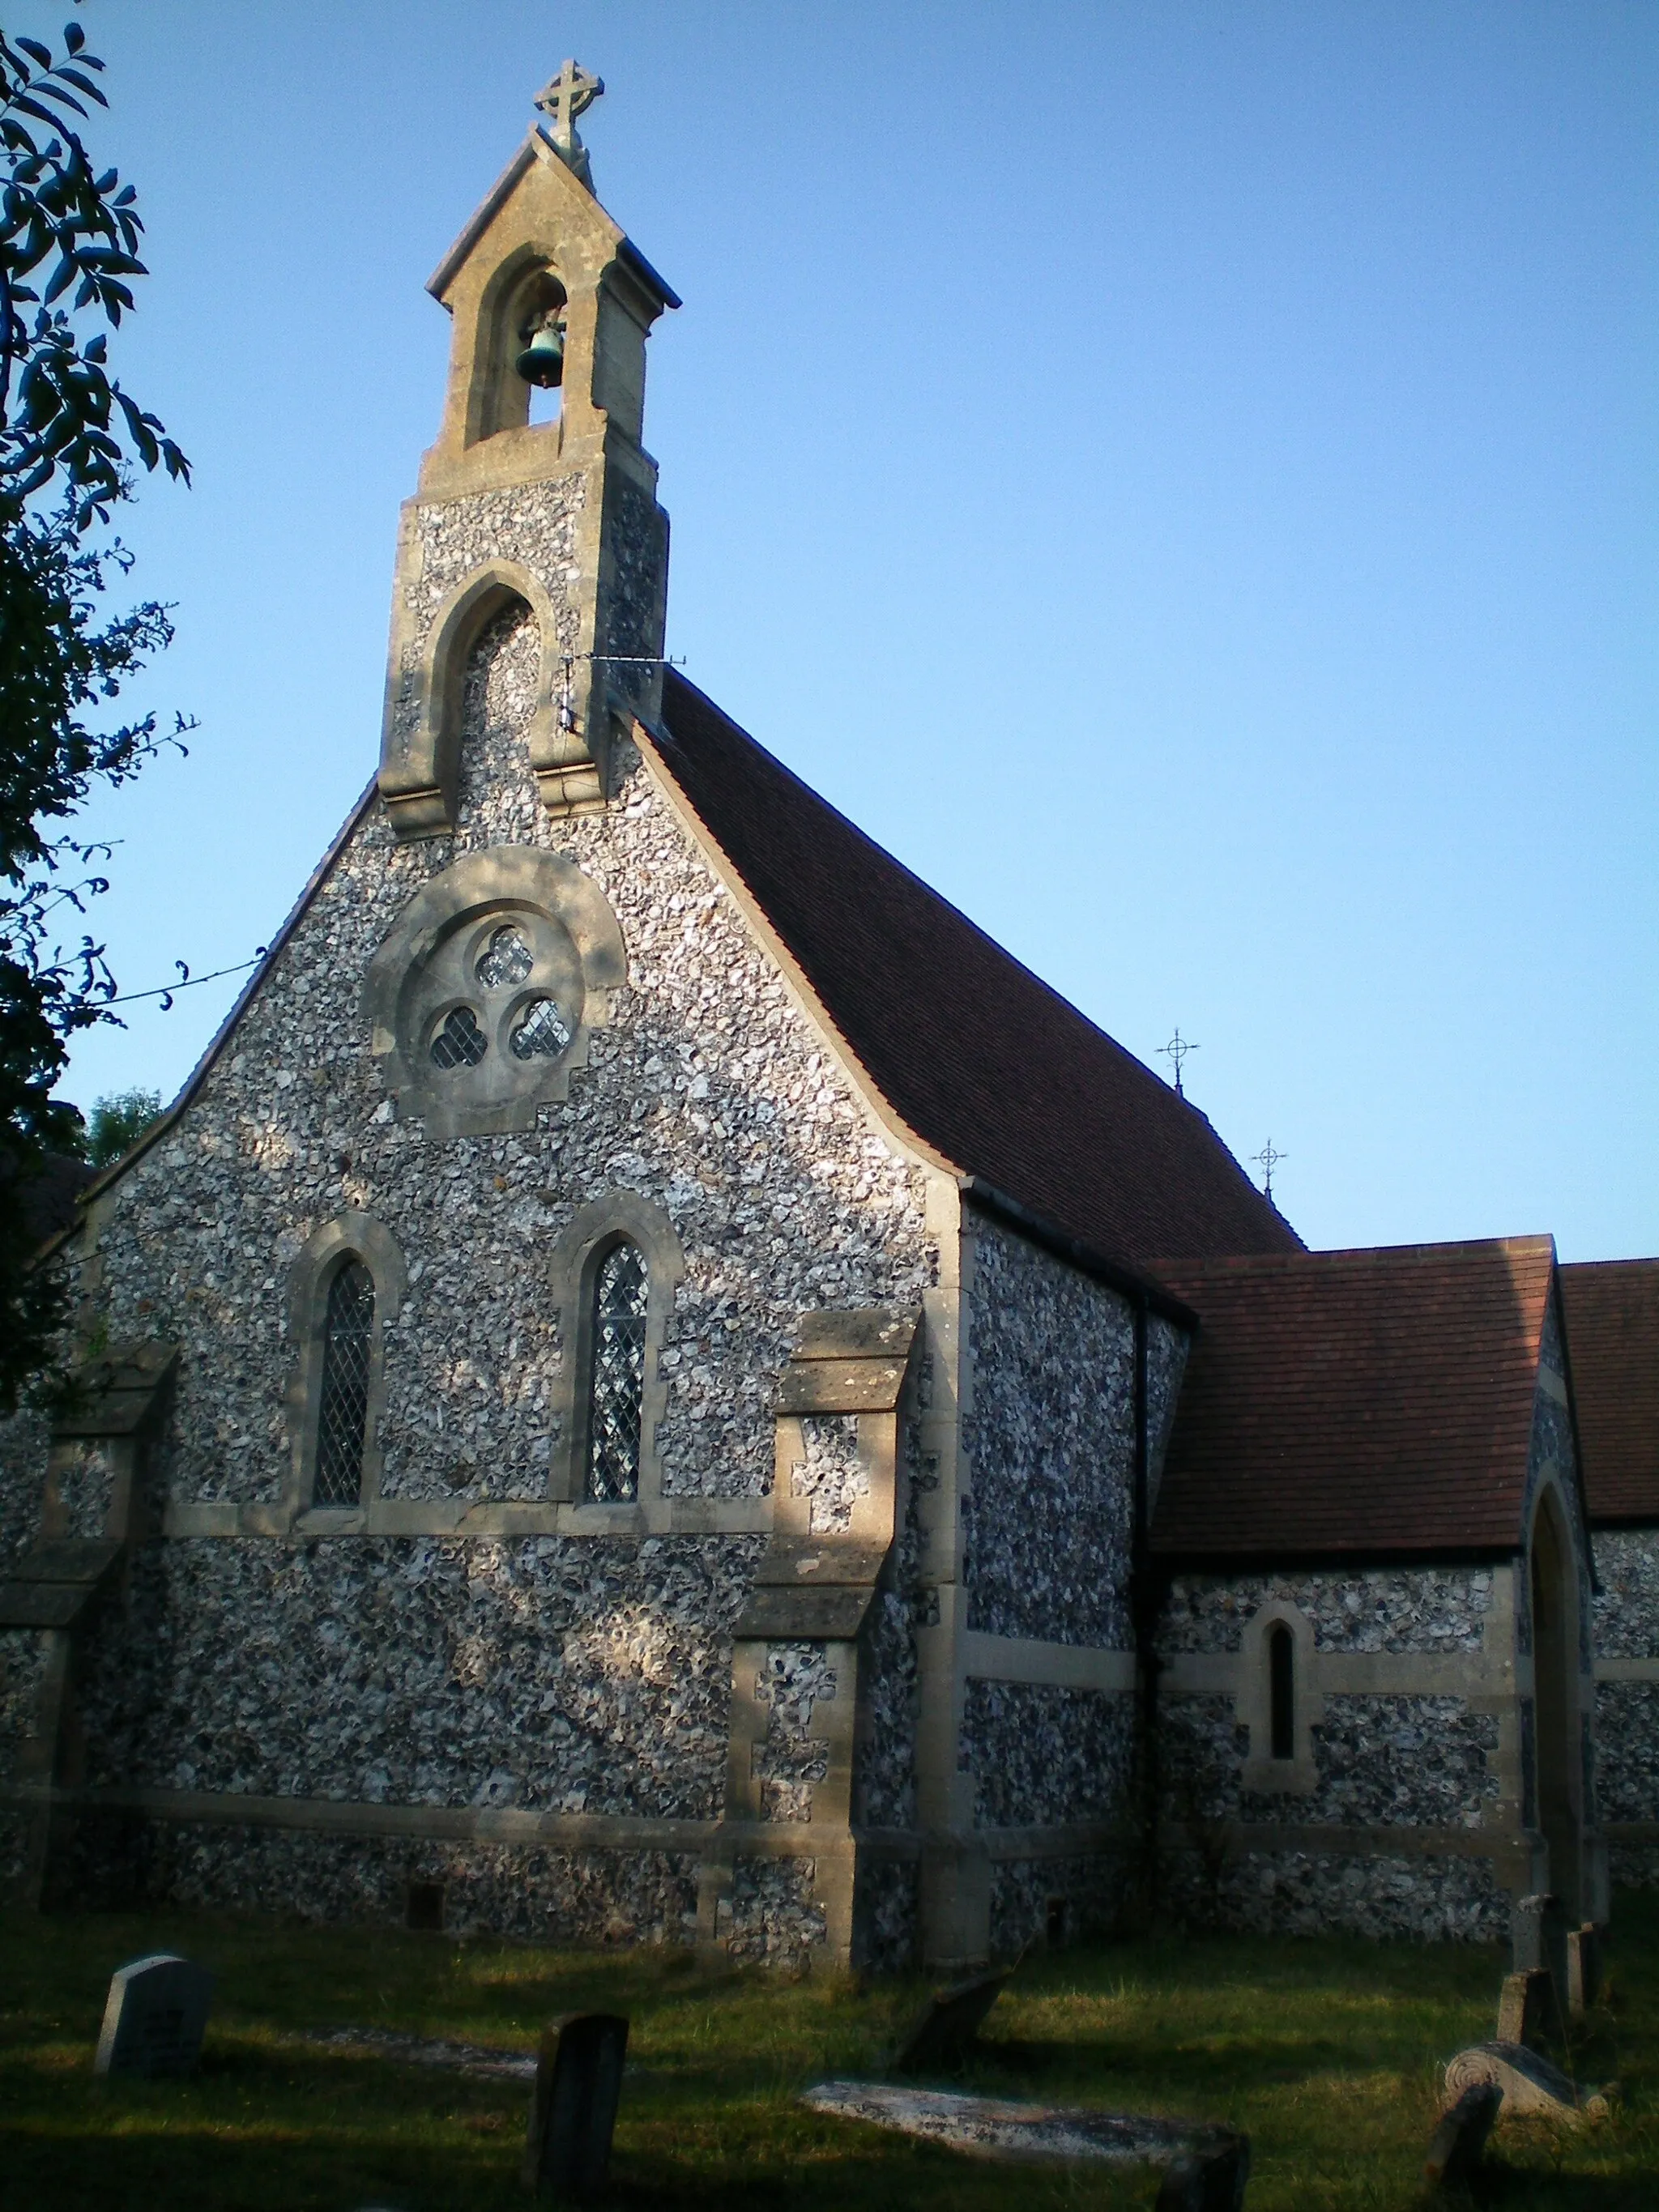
<point x="69" y="236"/>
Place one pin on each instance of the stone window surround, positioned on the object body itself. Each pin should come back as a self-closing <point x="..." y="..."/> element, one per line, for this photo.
<point x="348" y="1236"/>
<point x="616" y="1216"/>
<point x="477" y="890"/>
<point x="1253" y="1702"/>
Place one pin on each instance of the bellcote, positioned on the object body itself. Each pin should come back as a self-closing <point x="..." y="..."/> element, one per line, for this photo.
<point x="545" y="293"/>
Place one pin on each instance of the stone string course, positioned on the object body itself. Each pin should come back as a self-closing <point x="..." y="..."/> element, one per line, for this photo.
<point x="1047" y="1521"/>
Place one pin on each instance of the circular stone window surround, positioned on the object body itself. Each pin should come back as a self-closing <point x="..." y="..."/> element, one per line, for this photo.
<point x="428" y="966"/>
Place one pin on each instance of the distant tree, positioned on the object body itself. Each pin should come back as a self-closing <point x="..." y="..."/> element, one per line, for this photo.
<point x="68" y="434"/>
<point x="117" y="1122"/>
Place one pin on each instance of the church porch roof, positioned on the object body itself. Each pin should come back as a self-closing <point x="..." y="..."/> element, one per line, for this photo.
<point x="1360" y="1403"/>
<point x="992" y="1070"/>
<point x="1611" y="1310"/>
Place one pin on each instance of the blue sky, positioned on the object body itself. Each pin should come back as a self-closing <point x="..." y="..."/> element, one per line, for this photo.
<point x="1182" y="476"/>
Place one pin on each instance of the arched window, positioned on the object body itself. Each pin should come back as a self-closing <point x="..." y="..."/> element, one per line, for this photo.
<point x="343" y="1407"/>
<point x="616" y="1382"/>
<point x="1281" y="1690"/>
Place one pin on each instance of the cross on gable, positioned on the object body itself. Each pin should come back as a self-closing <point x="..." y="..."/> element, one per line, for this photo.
<point x="563" y="98"/>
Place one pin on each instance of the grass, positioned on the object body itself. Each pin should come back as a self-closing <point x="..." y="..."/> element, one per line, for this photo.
<point x="1324" y="2050"/>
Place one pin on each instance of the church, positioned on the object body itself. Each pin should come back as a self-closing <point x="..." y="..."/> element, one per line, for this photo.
<point x="656" y="1386"/>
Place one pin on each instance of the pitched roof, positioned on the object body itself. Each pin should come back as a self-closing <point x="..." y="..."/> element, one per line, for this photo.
<point x="1612" y="1310"/>
<point x="988" y="1066"/>
<point x="1356" y="1402"/>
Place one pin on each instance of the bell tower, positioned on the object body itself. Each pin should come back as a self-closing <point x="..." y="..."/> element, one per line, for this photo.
<point x="547" y="295"/>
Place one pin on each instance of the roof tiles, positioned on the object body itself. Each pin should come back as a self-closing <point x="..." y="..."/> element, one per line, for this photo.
<point x="975" y="1054"/>
<point x="1356" y="1402"/>
<point x="1612" y="1309"/>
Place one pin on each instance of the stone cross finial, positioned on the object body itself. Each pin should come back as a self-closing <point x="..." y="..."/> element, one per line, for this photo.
<point x="561" y="99"/>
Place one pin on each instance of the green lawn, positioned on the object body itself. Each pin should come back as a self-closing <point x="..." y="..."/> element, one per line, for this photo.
<point x="1324" y="2052"/>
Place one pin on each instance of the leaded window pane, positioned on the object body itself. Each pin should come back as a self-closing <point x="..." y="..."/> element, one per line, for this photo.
<point x="348" y="1333"/>
<point x="460" y="1042"/>
<point x="618" y="1383"/>
<point x="508" y="960"/>
<point x="543" y="1031"/>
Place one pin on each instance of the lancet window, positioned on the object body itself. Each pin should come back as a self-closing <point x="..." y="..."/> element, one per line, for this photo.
<point x="616" y="1383"/>
<point x="1281" y="1690"/>
<point x="343" y="1408"/>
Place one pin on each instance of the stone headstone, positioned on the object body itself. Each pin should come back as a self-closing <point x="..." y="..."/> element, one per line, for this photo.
<point x="155" y="2017"/>
<point x="573" y="2112"/>
<point x="1210" y="2180"/>
<point x="1529" y="2083"/>
<point x="944" y="2034"/>
<point x="1538" y="1936"/>
<point x="1459" y="2142"/>
<point x="1583" y="1968"/>
<point x="1526" y="2006"/>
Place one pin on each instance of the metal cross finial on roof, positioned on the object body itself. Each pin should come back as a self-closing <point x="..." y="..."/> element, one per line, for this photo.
<point x="1268" y="1159"/>
<point x="561" y="99"/>
<point x="1176" y="1050"/>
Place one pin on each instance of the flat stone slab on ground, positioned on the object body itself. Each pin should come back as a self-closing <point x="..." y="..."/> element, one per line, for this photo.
<point x="154" y="2017"/>
<point x="428" y="2051"/>
<point x="997" y="2128"/>
<point x="1531" y="2084"/>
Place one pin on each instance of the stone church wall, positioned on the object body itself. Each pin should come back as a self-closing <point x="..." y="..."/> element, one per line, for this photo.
<point x="1048" y="1527"/>
<point x="1382" y="1759"/>
<point x="528" y="1667"/>
<point x="1626" y="1615"/>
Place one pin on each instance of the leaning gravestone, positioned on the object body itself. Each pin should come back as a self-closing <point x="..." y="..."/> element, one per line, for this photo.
<point x="572" y="2113"/>
<point x="1531" y="2086"/>
<point x="1526" y="2006"/>
<point x="1456" y="2147"/>
<point x="1583" y="1968"/>
<point x="155" y="2017"/>
<point x="944" y="2034"/>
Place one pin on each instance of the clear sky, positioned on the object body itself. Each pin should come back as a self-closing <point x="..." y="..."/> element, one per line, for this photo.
<point x="1182" y="475"/>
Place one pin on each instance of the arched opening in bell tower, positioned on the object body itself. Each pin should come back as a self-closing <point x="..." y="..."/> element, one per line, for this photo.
<point x="519" y="360"/>
<point x="1554" y="1594"/>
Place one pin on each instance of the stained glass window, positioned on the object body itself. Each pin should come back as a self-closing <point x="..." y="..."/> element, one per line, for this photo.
<point x="460" y="1042"/>
<point x="542" y="1032"/>
<point x="617" y="1386"/>
<point x="343" y="1420"/>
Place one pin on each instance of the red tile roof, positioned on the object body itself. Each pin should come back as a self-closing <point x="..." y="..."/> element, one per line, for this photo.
<point x="1356" y="1402"/>
<point x="988" y="1066"/>
<point x="1612" y="1309"/>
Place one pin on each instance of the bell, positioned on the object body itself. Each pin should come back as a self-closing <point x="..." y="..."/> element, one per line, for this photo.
<point x="542" y="360"/>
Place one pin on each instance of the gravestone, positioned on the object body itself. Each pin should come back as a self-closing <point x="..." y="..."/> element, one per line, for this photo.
<point x="1459" y="2142"/>
<point x="944" y="2034"/>
<point x="155" y="2017"/>
<point x="1538" y="1934"/>
<point x="1530" y="2085"/>
<point x="1526" y="2006"/>
<point x="1211" y="2180"/>
<point x="1583" y="1969"/>
<point x="572" y="2113"/>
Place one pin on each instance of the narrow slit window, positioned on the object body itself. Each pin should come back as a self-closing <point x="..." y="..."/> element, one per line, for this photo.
<point x="1281" y="1690"/>
<point x="342" y="1416"/>
<point x="616" y="1391"/>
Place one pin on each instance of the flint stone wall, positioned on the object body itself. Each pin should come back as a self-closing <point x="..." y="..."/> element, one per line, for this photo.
<point x="24" y="1441"/>
<point x="773" y="1914"/>
<point x="1042" y="1755"/>
<point x="557" y="1675"/>
<point x="706" y="1094"/>
<point x="1449" y="1898"/>
<point x="1440" y="1609"/>
<point x="793" y="1757"/>
<point x="1096" y="1890"/>
<point x="529" y="1892"/>
<point x="1048" y="1520"/>
<point x="1627" y="1608"/>
<point x="1626" y="1626"/>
